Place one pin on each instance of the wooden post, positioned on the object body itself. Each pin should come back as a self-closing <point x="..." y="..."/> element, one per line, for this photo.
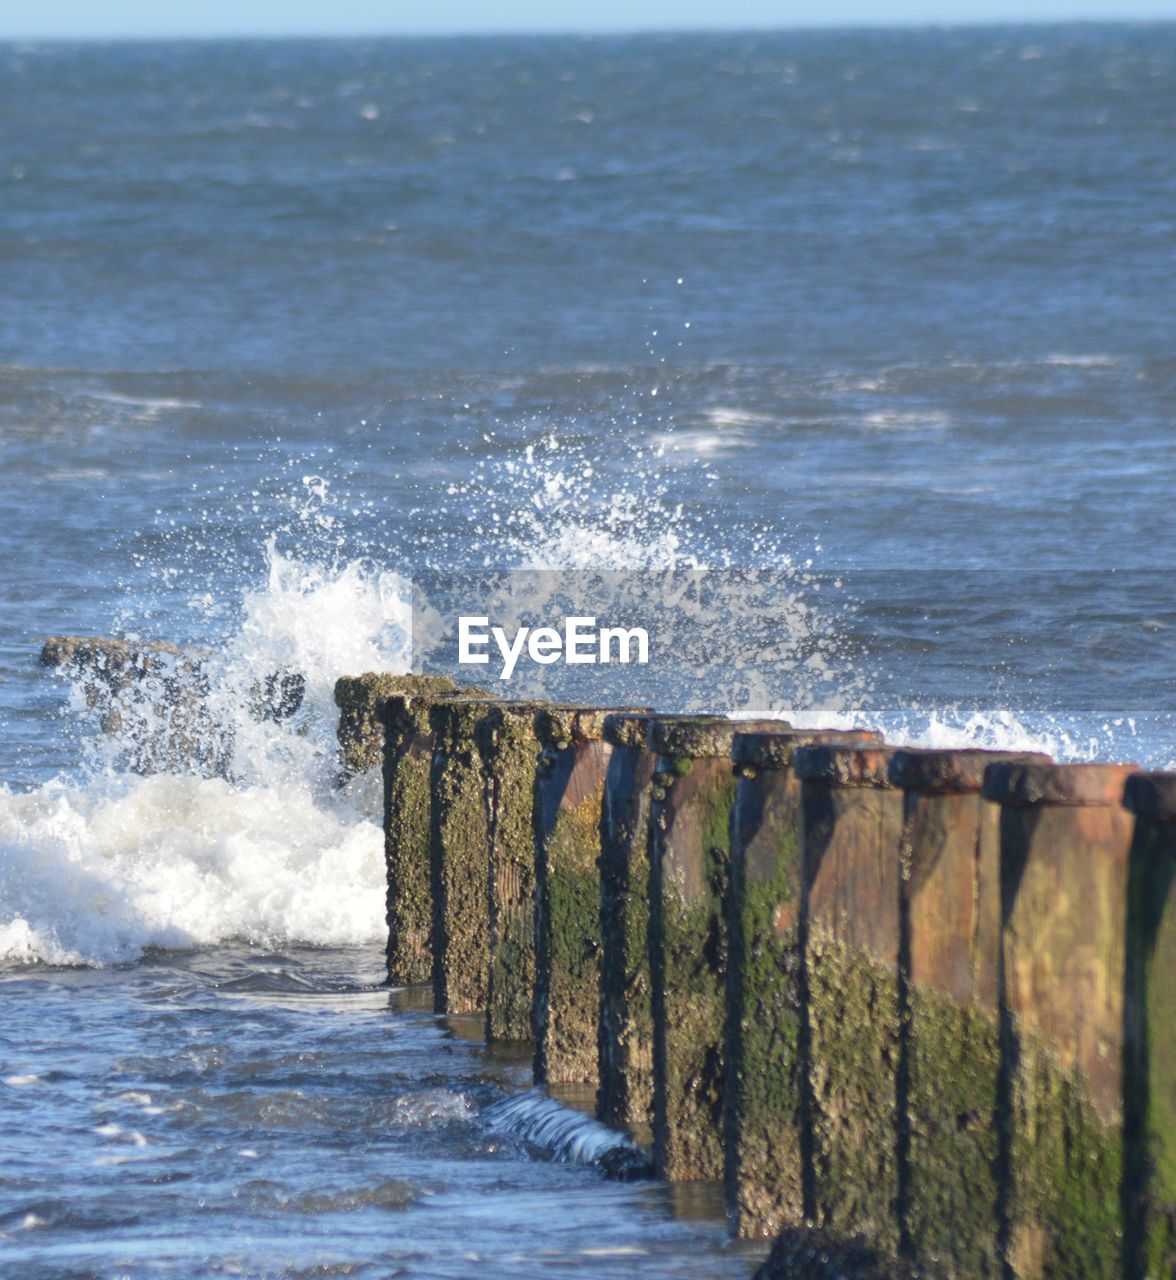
<point x="1150" y="1029"/>
<point x="949" y="1066"/>
<point x="625" y="1094"/>
<point x="408" y="753"/>
<point x="766" y="1142"/>
<point x="510" y="756"/>
<point x="689" y="840"/>
<point x="569" y="795"/>
<point x="459" y="843"/>
<point x="1065" y="838"/>
<point x="849" y="976"/>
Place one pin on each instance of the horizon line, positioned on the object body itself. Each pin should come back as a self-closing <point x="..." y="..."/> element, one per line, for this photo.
<point x="491" y="33"/>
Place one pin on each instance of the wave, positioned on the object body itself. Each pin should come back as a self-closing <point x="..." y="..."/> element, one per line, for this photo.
<point x="102" y="865"/>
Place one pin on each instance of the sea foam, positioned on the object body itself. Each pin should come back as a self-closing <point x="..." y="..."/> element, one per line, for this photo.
<point x="97" y="867"/>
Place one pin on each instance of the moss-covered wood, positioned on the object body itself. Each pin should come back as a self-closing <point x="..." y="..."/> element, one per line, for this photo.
<point x="852" y="826"/>
<point x="459" y="858"/>
<point x="408" y="752"/>
<point x="361" y="701"/>
<point x="625" y="1046"/>
<point x="510" y="755"/>
<point x="766" y="1138"/>
<point x="692" y="793"/>
<point x="568" y="800"/>
<point x="1065" y="838"/>
<point x="1150" y="1028"/>
<point x="949" y="1074"/>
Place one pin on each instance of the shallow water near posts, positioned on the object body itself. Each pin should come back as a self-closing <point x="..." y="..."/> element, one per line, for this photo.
<point x="244" y="1111"/>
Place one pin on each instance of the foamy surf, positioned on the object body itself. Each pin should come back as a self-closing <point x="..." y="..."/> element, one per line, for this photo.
<point x="100" y="873"/>
<point x="101" y="866"/>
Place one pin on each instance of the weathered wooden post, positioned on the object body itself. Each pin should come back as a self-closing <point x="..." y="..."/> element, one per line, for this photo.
<point x="569" y="795"/>
<point x="510" y="756"/>
<point x="459" y="844"/>
<point x="625" y="1094"/>
<point x="408" y="753"/>
<point x="764" y="1094"/>
<point x="949" y="1067"/>
<point x="689" y="841"/>
<point x="361" y="701"/>
<point x="1065" y="837"/>
<point x="849" y="986"/>
<point x="1150" y="1027"/>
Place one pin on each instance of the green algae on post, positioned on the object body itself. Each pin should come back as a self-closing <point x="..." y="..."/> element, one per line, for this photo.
<point x="950" y="1056"/>
<point x="764" y="1093"/>
<point x="408" y="753"/>
<point x="361" y="700"/>
<point x="692" y="792"/>
<point x="568" y="798"/>
<point x="625" y="1046"/>
<point x="849" y="975"/>
<point x="510" y="757"/>
<point x="1150" y="1029"/>
<point x="459" y="857"/>
<point x="1065" y="838"/>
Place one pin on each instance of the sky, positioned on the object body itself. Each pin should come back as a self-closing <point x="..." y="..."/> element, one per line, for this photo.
<point x="116" y="18"/>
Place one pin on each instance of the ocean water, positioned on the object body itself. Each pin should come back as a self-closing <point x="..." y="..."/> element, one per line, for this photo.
<point x="283" y="322"/>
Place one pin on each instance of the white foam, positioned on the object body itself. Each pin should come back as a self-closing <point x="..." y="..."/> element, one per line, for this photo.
<point x="97" y="874"/>
<point x="98" y="867"/>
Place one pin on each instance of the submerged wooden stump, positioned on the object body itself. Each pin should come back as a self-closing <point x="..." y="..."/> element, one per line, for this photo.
<point x="852" y="827"/>
<point x="152" y="699"/>
<point x="625" y="1047"/>
<point x="949" y="1076"/>
<point x="1150" y="1029"/>
<point x="766" y="1139"/>
<point x="1065" y="838"/>
<point x="689" y="840"/>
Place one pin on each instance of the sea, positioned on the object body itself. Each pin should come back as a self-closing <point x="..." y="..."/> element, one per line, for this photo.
<point x="890" y="314"/>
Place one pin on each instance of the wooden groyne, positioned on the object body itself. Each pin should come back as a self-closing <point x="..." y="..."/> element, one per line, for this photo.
<point x="916" y="1009"/>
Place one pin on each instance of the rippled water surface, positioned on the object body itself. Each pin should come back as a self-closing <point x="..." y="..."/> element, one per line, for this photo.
<point x="247" y="1112"/>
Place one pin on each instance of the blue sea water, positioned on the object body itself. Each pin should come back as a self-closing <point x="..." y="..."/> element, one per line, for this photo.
<point x="281" y="322"/>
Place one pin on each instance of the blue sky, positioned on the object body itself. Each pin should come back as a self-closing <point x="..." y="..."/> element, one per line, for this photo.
<point x="300" y="17"/>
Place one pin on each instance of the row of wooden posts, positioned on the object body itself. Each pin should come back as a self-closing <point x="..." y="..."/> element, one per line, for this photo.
<point x="924" y="999"/>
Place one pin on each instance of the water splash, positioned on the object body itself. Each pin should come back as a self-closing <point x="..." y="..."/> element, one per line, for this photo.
<point x="569" y="1135"/>
<point x="102" y="865"/>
